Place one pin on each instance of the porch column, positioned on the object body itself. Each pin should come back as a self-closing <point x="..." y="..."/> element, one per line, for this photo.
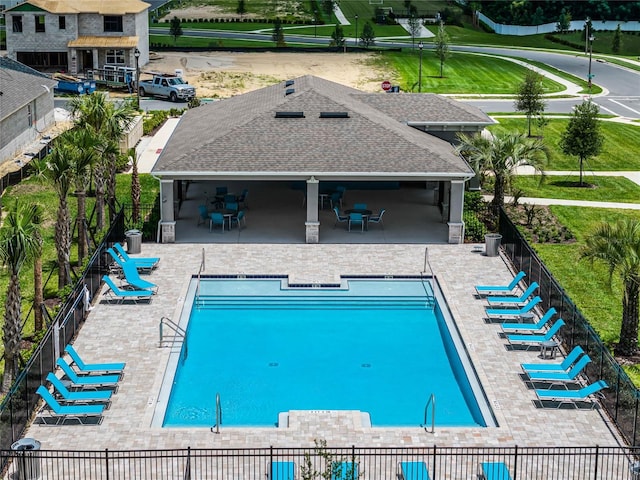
<point x="167" y="221"/>
<point x="456" y="206"/>
<point x="73" y="63"/>
<point x="312" y="225"/>
<point x="94" y="55"/>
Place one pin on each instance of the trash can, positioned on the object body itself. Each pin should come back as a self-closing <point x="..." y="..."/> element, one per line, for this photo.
<point x="28" y="464"/>
<point x="134" y="241"/>
<point x="492" y="244"/>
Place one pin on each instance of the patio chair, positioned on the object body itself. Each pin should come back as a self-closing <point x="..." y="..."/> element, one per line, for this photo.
<point x="203" y="214"/>
<point x="563" y="397"/>
<point x="336" y="199"/>
<point x="554" y="367"/>
<point x="238" y="219"/>
<point x="495" y="471"/>
<point x="242" y="199"/>
<point x="114" y="293"/>
<point x="560" y="377"/>
<point x="356" y="219"/>
<point x="513" y="300"/>
<point x="221" y="190"/>
<point x="504" y="313"/>
<point x="282" y="471"/>
<point x="216" y="218"/>
<point x="414" y="471"/>
<point x="231" y="206"/>
<point x="62" y="413"/>
<point x="87" y="380"/>
<point x="132" y="277"/>
<point x="139" y="261"/>
<point x="78" y="396"/>
<point x="344" y="471"/>
<point x="535" y="340"/>
<point x="88" y="368"/>
<point x="500" y="289"/>
<point x="229" y="198"/>
<point x="359" y="206"/>
<point x="529" y="327"/>
<point x="339" y="218"/>
<point x="377" y="218"/>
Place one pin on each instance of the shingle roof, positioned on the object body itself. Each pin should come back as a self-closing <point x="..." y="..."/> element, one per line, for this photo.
<point x="17" y="88"/>
<point x="102" y="7"/>
<point x="242" y="135"/>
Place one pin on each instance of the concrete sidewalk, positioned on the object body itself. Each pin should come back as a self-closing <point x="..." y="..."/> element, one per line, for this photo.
<point x="150" y="147"/>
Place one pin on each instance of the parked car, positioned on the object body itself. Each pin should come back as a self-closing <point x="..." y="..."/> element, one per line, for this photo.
<point x="169" y="86"/>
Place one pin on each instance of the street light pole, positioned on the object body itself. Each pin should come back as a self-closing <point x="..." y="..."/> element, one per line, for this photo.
<point x="315" y="23"/>
<point x="588" y="34"/>
<point x="591" y="39"/>
<point x="136" y="54"/>
<point x="420" y="45"/>
<point x="356" y="42"/>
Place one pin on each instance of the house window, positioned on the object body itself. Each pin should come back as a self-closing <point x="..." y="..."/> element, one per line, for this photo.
<point x="29" y="116"/>
<point x="115" y="57"/>
<point x="40" y="23"/>
<point x="112" y="24"/>
<point x="17" y="23"/>
<point x="62" y="23"/>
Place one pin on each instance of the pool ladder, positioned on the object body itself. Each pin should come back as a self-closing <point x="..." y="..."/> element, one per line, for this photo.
<point x="218" y="415"/>
<point x="178" y="333"/>
<point x="432" y="402"/>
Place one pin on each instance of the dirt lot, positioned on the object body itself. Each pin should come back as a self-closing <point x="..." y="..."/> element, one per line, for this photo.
<point x="224" y="74"/>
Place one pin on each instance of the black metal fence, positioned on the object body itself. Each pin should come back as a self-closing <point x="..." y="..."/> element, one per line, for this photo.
<point x="622" y="398"/>
<point x="17" y="407"/>
<point x="548" y="463"/>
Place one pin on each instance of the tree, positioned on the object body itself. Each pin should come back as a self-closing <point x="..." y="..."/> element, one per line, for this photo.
<point x="241" y="9"/>
<point x="583" y="138"/>
<point x="499" y="155"/>
<point x="368" y="36"/>
<point x="564" y="21"/>
<point x="415" y="27"/>
<point x="529" y="99"/>
<point x="441" y="46"/>
<point x="616" y="42"/>
<point x="278" y="33"/>
<point x="337" y="37"/>
<point x="617" y="245"/>
<point x="328" y="6"/>
<point x="538" y="17"/>
<point x="18" y="244"/>
<point x="175" y="29"/>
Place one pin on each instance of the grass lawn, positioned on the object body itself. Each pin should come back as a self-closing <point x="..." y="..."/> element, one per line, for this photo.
<point x="619" y="151"/>
<point x="463" y="73"/>
<point x="607" y="189"/>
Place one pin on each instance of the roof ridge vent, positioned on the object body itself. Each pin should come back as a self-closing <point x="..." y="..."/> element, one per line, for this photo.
<point x="334" y="114"/>
<point x="289" y="91"/>
<point x="289" y="114"/>
<point x="288" y="83"/>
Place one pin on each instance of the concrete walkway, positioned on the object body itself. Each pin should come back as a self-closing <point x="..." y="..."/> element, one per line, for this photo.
<point x="150" y="147"/>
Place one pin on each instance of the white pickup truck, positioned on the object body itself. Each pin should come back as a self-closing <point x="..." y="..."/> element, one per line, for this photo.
<point x="170" y="86"/>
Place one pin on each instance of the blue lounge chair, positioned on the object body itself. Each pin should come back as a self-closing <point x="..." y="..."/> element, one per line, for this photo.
<point x="87" y="381"/>
<point x="554" y="367"/>
<point x="120" y="262"/>
<point x="62" y="413"/>
<point x="137" y="260"/>
<point x="132" y="277"/>
<point x="344" y="471"/>
<point x="503" y="313"/>
<point x="500" y="289"/>
<point x="92" y="367"/>
<point x="114" y="293"/>
<point x="559" y="377"/>
<point x="82" y="396"/>
<point x="533" y="340"/>
<point x="529" y="327"/>
<point x="495" y="471"/>
<point x="414" y="471"/>
<point x="283" y="471"/>
<point x="513" y="301"/>
<point x="570" y="396"/>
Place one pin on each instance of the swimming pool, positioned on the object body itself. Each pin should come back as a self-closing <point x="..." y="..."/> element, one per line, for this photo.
<point x="379" y="346"/>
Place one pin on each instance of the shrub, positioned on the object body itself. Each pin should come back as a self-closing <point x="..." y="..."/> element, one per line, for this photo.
<point x="474" y="229"/>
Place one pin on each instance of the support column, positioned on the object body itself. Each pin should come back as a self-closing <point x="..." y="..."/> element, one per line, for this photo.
<point x="456" y="207"/>
<point x="167" y="220"/>
<point x="312" y="225"/>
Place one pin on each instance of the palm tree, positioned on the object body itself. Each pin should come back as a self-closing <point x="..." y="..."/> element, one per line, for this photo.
<point x="617" y="245"/>
<point x="38" y="291"/>
<point x="499" y="155"/>
<point x="18" y="243"/>
<point x="57" y="170"/>
<point x="108" y="121"/>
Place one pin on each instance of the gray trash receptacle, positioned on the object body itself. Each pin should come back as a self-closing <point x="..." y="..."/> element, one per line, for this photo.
<point x="492" y="244"/>
<point x="134" y="241"/>
<point x="28" y="464"/>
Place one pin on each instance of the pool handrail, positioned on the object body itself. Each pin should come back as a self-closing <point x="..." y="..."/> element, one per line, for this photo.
<point x="432" y="400"/>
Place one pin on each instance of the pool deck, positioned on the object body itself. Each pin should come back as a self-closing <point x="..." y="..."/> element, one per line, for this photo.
<point x="129" y="333"/>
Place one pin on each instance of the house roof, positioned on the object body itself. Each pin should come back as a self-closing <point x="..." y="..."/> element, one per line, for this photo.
<point x="102" y="7"/>
<point x="18" y="86"/>
<point x="244" y="136"/>
<point x="91" y="41"/>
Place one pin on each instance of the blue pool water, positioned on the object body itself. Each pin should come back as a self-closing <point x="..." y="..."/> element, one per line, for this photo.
<point x="379" y="347"/>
